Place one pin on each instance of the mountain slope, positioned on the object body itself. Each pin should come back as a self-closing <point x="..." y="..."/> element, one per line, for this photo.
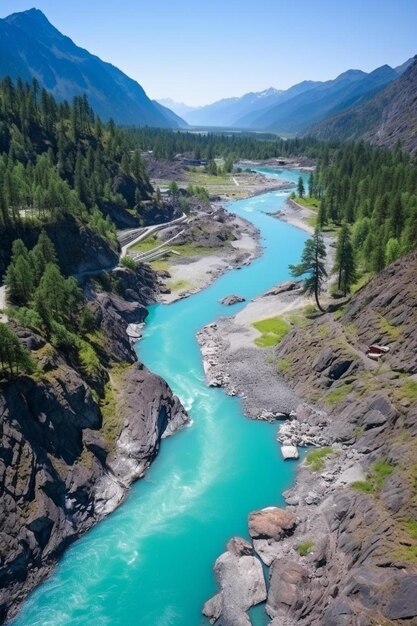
<point x="298" y="113"/>
<point x="248" y="120"/>
<point x="390" y="116"/>
<point x="30" y="47"/>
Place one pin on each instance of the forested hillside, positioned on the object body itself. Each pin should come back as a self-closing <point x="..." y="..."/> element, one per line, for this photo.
<point x="31" y="47"/>
<point x="60" y="162"/>
<point x="166" y="144"/>
<point x="375" y="192"/>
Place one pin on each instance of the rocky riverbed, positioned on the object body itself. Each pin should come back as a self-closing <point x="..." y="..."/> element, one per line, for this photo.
<point x="343" y="550"/>
<point x="214" y="242"/>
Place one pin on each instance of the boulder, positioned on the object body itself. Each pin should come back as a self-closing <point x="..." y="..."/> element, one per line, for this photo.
<point x="242" y="583"/>
<point x="289" y="452"/>
<point x="271" y="523"/>
<point x="233" y="299"/>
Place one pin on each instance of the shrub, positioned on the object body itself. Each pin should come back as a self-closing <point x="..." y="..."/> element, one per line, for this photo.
<point x="316" y="458"/>
<point x="304" y="547"/>
<point x="129" y="263"/>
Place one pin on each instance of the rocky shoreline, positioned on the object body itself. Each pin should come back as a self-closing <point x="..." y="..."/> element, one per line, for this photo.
<point x="340" y="553"/>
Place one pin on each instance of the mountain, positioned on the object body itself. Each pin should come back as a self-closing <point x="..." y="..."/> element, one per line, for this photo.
<point x="179" y="108"/>
<point x="301" y="111"/>
<point x="177" y="121"/>
<point x="228" y="111"/>
<point x="30" y="47"/>
<point x="249" y="118"/>
<point x="389" y="117"/>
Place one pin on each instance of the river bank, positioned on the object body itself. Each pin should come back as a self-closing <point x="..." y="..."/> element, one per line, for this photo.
<point x="230" y="354"/>
<point x="340" y="552"/>
<point x="218" y="241"/>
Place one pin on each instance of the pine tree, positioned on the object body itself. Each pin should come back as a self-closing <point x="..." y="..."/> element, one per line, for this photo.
<point x="312" y="266"/>
<point x="345" y="260"/>
<point x="13" y="357"/>
<point x="311" y="185"/>
<point x="300" y="187"/>
<point x="19" y="275"/>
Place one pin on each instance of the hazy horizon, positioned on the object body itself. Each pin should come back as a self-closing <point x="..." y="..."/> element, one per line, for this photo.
<point x="206" y="53"/>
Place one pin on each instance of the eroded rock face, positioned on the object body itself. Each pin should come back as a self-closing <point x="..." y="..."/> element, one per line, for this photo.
<point x="287" y="579"/>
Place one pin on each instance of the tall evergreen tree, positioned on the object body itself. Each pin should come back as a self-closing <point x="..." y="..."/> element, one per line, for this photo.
<point x="300" y="187"/>
<point x="345" y="264"/>
<point x="312" y="266"/>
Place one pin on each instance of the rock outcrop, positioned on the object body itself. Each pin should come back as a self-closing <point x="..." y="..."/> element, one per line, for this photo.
<point x="72" y="442"/>
<point x="242" y="584"/>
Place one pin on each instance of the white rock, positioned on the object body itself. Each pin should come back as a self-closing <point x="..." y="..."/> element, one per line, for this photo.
<point x="289" y="452"/>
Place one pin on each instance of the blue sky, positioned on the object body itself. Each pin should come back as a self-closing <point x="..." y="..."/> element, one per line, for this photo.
<point x="198" y="52"/>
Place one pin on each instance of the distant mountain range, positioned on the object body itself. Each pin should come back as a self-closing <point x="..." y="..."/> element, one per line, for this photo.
<point x="387" y="118"/>
<point x="296" y="109"/>
<point x="30" y="47"/>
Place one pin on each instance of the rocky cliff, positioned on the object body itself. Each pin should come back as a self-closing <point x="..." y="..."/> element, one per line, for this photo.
<point x="74" y="438"/>
<point x="344" y="551"/>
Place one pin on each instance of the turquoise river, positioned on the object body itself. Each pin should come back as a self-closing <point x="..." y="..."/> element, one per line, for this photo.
<point x="150" y="562"/>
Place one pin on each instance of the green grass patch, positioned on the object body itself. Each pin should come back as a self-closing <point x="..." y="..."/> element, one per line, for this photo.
<point x="284" y="366"/>
<point x="323" y="331"/>
<point x="309" y="203"/>
<point x="272" y="330"/>
<point x="179" y="285"/>
<point x="389" y="330"/>
<point x="406" y="553"/>
<point x="339" y="313"/>
<point x="310" y="309"/>
<point x="89" y="361"/>
<point x="146" y="245"/>
<point x="364" y="486"/>
<point x="361" y="282"/>
<point x="316" y="459"/>
<point x="377" y="475"/>
<point x="304" y="547"/>
<point x="112" y="417"/>
<point x="160" y="265"/>
<point x="129" y="263"/>
<point x="312" y="221"/>
<point x="202" y="178"/>
<point x="410" y="527"/>
<point x="337" y="395"/>
<point x="408" y="391"/>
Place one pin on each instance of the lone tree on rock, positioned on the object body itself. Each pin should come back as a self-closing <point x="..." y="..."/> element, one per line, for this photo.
<point x="312" y="266"/>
